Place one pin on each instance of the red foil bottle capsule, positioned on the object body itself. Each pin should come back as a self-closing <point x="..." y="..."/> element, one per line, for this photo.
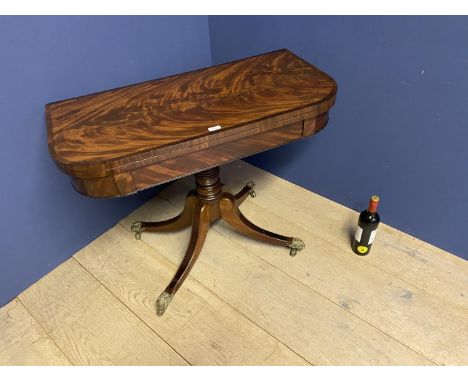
<point x="367" y="228"/>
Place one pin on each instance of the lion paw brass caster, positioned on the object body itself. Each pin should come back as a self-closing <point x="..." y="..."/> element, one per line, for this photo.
<point x="296" y="246"/>
<point x="163" y="302"/>
<point x="138" y="228"/>
<point x="251" y="185"/>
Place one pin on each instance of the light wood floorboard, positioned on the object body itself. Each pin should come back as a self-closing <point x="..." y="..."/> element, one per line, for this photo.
<point x="245" y="302"/>
<point x="201" y="326"/>
<point x="420" y="263"/>
<point x="89" y="324"/>
<point x="296" y="315"/>
<point x="23" y="341"/>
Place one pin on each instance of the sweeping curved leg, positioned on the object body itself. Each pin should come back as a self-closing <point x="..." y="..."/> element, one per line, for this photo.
<point x="246" y="191"/>
<point x="233" y="216"/>
<point x="183" y="220"/>
<point x="200" y="226"/>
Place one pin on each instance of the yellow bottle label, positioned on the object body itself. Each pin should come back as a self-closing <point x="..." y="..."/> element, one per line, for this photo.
<point x="362" y="249"/>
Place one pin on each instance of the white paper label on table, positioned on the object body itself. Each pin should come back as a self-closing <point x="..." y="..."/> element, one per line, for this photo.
<point x="214" y="128"/>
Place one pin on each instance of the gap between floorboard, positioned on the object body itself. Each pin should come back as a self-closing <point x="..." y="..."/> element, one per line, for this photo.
<point x="134" y="314"/>
<point x="220" y="297"/>
<point x="327" y="298"/>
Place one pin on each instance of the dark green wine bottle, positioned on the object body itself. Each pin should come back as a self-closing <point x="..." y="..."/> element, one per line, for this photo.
<point x="367" y="228"/>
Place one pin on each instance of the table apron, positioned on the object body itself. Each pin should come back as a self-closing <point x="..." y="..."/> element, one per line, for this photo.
<point x="175" y="167"/>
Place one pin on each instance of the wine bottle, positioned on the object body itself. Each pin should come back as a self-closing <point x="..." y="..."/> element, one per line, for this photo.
<point x="367" y="228"/>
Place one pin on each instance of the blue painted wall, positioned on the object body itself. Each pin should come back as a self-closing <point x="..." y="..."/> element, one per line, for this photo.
<point x="400" y="124"/>
<point x="43" y="221"/>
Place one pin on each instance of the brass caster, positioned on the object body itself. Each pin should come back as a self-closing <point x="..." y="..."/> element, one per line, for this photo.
<point x="138" y="228"/>
<point x="251" y="185"/>
<point x="162" y="303"/>
<point x="296" y="245"/>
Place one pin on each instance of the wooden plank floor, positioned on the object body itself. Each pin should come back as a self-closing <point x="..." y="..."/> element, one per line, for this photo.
<point x="245" y="302"/>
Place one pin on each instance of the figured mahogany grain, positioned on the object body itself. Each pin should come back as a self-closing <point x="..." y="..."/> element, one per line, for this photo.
<point x="119" y="141"/>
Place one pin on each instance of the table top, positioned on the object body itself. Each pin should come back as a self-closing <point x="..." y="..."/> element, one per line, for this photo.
<point x="122" y="129"/>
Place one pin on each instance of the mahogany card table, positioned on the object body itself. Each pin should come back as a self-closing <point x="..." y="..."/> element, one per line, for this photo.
<point x="120" y="141"/>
